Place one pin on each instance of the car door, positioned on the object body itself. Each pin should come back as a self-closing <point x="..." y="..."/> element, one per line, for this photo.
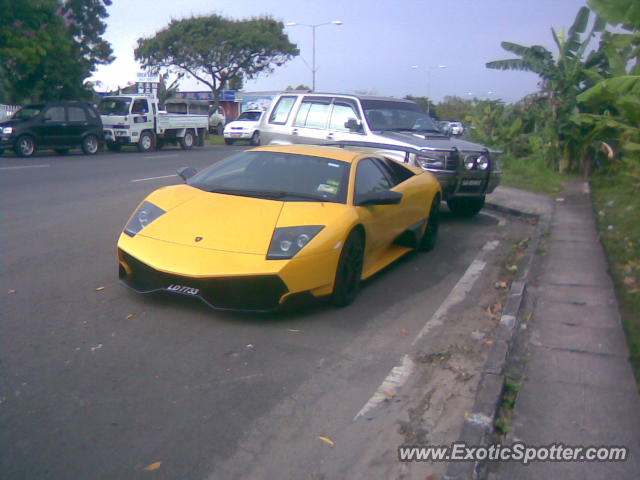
<point x="142" y="118"/>
<point x="380" y="221"/>
<point x="50" y="131"/>
<point x="310" y="121"/>
<point x="78" y="124"/>
<point x="342" y="112"/>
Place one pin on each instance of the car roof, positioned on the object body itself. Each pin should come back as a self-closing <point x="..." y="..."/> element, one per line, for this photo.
<point x="352" y="95"/>
<point x="334" y="153"/>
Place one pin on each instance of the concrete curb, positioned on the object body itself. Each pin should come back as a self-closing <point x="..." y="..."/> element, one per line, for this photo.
<point x="477" y="429"/>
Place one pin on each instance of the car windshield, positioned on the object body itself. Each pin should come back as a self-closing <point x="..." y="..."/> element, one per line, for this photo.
<point x="388" y="115"/>
<point x="277" y="175"/>
<point x="114" y="106"/>
<point x="253" y="116"/>
<point x="27" y="113"/>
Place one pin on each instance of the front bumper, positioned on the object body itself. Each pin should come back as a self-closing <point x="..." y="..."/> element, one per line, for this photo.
<point x="467" y="183"/>
<point x="117" y="135"/>
<point x="242" y="135"/>
<point x="224" y="280"/>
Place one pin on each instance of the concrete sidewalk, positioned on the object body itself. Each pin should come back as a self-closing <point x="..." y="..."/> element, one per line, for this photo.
<point x="578" y="387"/>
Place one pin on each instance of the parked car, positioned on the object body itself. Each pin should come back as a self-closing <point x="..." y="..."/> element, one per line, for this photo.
<point x="275" y="223"/>
<point x="466" y="171"/>
<point x="245" y="127"/>
<point x="456" y="128"/>
<point x="217" y="120"/>
<point x="59" y="126"/>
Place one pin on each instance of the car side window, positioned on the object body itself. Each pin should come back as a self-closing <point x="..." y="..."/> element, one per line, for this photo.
<point x="370" y="178"/>
<point x="140" y="106"/>
<point x="396" y="172"/>
<point x="54" y="114"/>
<point x="280" y="113"/>
<point x="312" y="114"/>
<point x="341" y="113"/>
<point x="77" y="114"/>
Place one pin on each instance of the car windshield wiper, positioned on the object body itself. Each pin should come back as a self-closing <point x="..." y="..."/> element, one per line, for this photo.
<point x="250" y="193"/>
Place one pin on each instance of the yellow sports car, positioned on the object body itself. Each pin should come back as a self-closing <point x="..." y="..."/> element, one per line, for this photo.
<point x="274" y="223"/>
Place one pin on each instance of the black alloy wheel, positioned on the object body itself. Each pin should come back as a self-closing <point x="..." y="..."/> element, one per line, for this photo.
<point x="349" y="271"/>
<point x="430" y="235"/>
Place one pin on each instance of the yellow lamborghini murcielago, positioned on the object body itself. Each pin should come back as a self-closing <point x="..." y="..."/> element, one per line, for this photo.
<point x="275" y="223"/>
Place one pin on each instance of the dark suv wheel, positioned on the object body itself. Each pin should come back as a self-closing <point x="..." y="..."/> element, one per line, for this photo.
<point x="90" y="145"/>
<point x="25" y="146"/>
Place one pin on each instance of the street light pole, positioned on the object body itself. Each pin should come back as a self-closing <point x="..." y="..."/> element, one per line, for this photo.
<point x="429" y="69"/>
<point x="313" y="37"/>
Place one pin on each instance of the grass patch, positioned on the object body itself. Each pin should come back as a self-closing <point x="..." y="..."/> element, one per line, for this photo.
<point x="529" y="174"/>
<point x="214" y="140"/>
<point x="617" y="211"/>
<point x="510" y="391"/>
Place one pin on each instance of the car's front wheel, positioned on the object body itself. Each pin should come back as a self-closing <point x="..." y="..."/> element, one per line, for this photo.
<point x="146" y="142"/>
<point x="466" y="206"/>
<point x="228" y="141"/>
<point x="255" y="138"/>
<point x="430" y="235"/>
<point x="349" y="271"/>
<point x="90" y="145"/>
<point x="25" y="146"/>
<point x="186" y="142"/>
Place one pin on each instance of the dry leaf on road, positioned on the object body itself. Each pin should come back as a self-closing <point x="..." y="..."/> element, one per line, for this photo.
<point x="153" y="466"/>
<point x="326" y="440"/>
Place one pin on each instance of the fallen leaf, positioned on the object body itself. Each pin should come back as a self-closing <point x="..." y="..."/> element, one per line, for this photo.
<point x="389" y="393"/>
<point x="487" y="341"/>
<point x="433" y="476"/>
<point x="11" y="291"/>
<point x="501" y="285"/>
<point x="129" y="317"/>
<point x="404" y="331"/>
<point x="99" y="289"/>
<point x="152" y="467"/>
<point x="294" y="330"/>
<point x="512" y="268"/>
<point x="559" y="199"/>
<point x="326" y="440"/>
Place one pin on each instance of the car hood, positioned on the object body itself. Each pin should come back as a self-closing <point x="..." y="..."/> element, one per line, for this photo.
<point x="215" y="221"/>
<point x="243" y="124"/>
<point x="427" y="140"/>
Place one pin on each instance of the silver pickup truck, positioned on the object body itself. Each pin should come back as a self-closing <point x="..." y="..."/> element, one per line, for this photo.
<point x="397" y="128"/>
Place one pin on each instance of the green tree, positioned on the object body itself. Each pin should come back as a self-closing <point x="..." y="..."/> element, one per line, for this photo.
<point x="562" y="79"/>
<point x="217" y="51"/>
<point x="454" y="108"/>
<point x="48" y="49"/>
<point x="426" y="104"/>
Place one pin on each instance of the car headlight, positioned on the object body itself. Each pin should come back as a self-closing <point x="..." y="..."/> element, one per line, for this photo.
<point x="469" y="162"/>
<point x="287" y="241"/>
<point x="482" y="162"/>
<point x="146" y="214"/>
<point x="7" y="130"/>
<point x="428" y="159"/>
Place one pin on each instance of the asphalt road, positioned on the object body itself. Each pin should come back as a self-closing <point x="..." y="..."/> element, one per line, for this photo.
<point x="98" y="382"/>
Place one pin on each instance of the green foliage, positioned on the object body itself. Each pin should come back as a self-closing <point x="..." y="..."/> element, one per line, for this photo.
<point x="49" y="47"/>
<point x="217" y="51"/>
<point x="426" y="104"/>
<point x="454" y="108"/>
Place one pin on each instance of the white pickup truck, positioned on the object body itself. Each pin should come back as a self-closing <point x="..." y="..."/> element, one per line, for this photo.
<point x="137" y="120"/>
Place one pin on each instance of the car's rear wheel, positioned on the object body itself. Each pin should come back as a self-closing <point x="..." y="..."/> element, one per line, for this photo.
<point x="25" y="146"/>
<point x="186" y="142"/>
<point x="146" y="142"/>
<point x="228" y="141"/>
<point x="90" y="145"/>
<point x="255" y="138"/>
<point x="61" y="151"/>
<point x="466" y="206"/>
<point x="349" y="271"/>
<point x="114" y="146"/>
<point x="430" y="235"/>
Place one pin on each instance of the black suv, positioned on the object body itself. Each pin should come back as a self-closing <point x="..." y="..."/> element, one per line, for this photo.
<point x="57" y="125"/>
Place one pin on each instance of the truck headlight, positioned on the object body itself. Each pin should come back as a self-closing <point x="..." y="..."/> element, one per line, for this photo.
<point x="482" y="162"/>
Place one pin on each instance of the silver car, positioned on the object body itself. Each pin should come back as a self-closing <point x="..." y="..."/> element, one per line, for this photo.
<point x="397" y="128"/>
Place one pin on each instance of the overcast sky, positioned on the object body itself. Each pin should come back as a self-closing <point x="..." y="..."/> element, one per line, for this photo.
<point x="374" y="49"/>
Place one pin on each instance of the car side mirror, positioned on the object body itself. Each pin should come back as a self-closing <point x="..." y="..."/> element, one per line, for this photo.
<point x="186" y="172"/>
<point x="381" y="197"/>
<point x="353" y="125"/>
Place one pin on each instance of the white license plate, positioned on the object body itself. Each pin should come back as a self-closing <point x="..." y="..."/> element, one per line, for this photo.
<point x="471" y="182"/>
